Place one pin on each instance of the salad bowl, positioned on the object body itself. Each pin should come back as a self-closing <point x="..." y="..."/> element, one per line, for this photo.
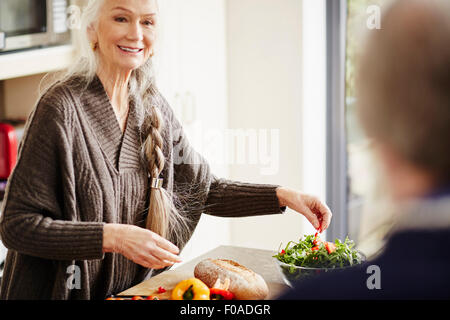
<point x="311" y="257"/>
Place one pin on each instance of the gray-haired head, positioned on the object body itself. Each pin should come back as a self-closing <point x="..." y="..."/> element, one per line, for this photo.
<point x="403" y="84"/>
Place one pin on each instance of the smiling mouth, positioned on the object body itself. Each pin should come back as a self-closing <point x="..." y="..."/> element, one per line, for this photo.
<point x="130" y="50"/>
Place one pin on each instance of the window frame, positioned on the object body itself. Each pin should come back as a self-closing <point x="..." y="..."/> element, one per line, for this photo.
<point x="336" y="159"/>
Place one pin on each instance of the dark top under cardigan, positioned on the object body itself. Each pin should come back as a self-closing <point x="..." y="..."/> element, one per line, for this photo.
<point x="77" y="171"/>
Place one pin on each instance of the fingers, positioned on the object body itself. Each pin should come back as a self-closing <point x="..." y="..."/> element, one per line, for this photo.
<point x="323" y="214"/>
<point x="166" y="255"/>
<point x="156" y="259"/>
<point x="165" y="244"/>
<point x="311" y="217"/>
<point x="316" y="212"/>
<point x="164" y="251"/>
<point x="326" y="216"/>
<point x="149" y="249"/>
<point x="153" y="262"/>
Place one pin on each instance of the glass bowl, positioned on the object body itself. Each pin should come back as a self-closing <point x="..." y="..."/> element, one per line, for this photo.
<point x="293" y="273"/>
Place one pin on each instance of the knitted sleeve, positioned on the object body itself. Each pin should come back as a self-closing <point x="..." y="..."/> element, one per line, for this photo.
<point x="40" y="192"/>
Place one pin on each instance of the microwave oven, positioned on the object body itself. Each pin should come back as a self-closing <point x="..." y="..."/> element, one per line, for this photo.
<point x="33" y="23"/>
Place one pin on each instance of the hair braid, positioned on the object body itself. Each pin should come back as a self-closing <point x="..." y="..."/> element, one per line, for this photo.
<point x="154" y="144"/>
<point x="163" y="217"/>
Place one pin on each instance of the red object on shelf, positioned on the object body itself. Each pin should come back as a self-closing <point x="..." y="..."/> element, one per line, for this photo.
<point x="8" y="149"/>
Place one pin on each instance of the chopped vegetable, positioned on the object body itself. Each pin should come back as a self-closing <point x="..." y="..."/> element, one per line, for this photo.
<point x="314" y="253"/>
<point x="161" y="290"/>
<point x="330" y="246"/>
<point x="220" y="294"/>
<point x="132" y="298"/>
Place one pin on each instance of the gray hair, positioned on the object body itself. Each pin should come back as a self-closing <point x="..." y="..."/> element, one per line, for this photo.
<point x="403" y="84"/>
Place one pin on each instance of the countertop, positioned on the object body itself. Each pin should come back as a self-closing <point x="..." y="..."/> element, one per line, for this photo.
<point x="260" y="261"/>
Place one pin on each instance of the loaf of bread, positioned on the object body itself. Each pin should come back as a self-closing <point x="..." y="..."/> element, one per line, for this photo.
<point x="244" y="283"/>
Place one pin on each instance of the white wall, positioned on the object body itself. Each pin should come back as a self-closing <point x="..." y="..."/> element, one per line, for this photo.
<point x="264" y="40"/>
<point x="314" y="97"/>
<point x="190" y="63"/>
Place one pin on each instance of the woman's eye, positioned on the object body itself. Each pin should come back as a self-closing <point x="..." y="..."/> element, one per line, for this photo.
<point x="120" y="19"/>
<point x="148" y="22"/>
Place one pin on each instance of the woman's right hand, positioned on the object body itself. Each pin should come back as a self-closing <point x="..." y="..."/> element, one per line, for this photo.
<point x="140" y="245"/>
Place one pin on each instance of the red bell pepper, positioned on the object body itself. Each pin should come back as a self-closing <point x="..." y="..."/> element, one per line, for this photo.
<point x="220" y="294"/>
<point x="161" y="290"/>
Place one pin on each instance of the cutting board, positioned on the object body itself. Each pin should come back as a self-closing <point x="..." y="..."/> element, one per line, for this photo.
<point x="150" y="287"/>
<point x="260" y="261"/>
<point x="171" y="278"/>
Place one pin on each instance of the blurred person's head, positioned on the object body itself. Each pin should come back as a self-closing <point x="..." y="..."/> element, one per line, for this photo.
<point x="403" y="90"/>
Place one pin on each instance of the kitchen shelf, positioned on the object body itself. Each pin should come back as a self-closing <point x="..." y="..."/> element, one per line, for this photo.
<point x="30" y="62"/>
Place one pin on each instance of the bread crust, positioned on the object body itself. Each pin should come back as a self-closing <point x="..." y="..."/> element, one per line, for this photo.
<point x="245" y="284"/>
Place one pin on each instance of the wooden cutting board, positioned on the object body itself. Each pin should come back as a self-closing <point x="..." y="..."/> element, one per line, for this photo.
<point x="171" y="278"/>
<point x="258" y="260"/>
<point x="150" y="287"/>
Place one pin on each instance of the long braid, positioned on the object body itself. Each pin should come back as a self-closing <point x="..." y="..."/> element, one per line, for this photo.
<point x="163" y="217"/>
<point x="154" y="144"/>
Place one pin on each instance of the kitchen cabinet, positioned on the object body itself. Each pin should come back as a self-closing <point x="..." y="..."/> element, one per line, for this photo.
<point x="190" y="66"/>
<point x="35" y="61"/>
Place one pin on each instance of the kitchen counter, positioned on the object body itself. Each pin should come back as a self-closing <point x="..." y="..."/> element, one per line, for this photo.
<point x="258" y="260"/>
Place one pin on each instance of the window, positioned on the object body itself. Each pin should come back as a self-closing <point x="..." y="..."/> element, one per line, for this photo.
<point x="351" y="172"/>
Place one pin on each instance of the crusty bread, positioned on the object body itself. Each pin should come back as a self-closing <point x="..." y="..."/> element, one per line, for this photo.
<point x="244" y="283"/>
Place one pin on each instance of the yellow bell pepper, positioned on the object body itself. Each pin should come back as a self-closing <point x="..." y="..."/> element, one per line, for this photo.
<point x="190" y="289"/>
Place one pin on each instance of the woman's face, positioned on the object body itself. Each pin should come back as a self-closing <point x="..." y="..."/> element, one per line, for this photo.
<point x="126" y="33"/>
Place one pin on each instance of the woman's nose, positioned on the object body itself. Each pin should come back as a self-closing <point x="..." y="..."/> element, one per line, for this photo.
<point x="135" y="32"/>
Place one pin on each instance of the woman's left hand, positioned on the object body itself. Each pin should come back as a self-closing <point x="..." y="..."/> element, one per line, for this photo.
<point x="317" y="213"/>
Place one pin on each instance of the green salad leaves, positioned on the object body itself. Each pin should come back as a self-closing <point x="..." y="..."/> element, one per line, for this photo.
<point x="311" y="252"/>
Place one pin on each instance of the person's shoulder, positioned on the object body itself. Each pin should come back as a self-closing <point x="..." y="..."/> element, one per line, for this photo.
<point x="60" y="98"/>
<point x="63" y="91"/>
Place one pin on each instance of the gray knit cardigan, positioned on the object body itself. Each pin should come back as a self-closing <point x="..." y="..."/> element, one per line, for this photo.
<point x="77" y="171"/>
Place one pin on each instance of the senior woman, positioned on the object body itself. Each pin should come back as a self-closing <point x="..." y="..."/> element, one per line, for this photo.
<point x="106" y="180"/>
